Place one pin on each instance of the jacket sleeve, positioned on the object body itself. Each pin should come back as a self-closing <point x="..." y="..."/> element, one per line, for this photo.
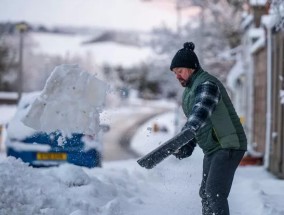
<point x="206" y="97"/>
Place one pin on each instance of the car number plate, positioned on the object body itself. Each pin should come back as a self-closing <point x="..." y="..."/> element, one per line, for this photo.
<point x="51" y="156"/>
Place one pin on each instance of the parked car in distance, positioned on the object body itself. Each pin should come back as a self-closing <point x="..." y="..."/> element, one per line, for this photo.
<point x="41" y="149"/>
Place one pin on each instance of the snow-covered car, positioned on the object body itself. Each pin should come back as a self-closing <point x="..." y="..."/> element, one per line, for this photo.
<point x="50" y="149"/>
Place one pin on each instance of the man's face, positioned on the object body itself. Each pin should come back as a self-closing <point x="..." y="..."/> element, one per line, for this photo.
<point x="183" y="74"/>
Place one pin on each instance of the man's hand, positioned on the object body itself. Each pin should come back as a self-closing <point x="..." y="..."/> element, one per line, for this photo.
<point x="185" y="151"/>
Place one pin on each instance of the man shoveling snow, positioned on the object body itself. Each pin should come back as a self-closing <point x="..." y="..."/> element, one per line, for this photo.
<point x="213" y="124"/>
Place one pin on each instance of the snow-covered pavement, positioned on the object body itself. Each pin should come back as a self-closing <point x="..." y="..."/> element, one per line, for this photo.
<point x="124" y="188"/>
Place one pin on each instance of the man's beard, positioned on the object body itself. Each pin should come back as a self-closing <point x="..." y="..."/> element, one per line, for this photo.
<point x="182" y="82"/>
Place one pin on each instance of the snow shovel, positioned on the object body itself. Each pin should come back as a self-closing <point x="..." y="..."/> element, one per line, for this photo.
<point x="163" y="151"/>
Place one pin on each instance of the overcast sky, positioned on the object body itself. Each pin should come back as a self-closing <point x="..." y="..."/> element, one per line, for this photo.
<point x="120" y="14"/>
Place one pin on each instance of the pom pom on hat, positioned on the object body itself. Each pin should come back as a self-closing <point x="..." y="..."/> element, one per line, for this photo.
<point x="189" y="45"/>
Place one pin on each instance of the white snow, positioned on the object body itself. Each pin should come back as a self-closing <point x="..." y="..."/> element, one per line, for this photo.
<point x="154" y="137"/>
<point x="258" y="2"/>
<point x="7" y="112"/>
<point x="260" y="43"/>
<point x="110" y="53"/>
<point x="256" y="32"/>
<point x="71" y="102"/>
<point x="259" y="34"/>
<point x="8" y="95"/>
<point x="16" y="128"/>
<point x="58" y="44"/>
<point x="124" y="188"/>
<point x="282" y="96"/>
<point x="269" y="20"/>
<point x="236" y="71"/>
<point x="247" y="21"/>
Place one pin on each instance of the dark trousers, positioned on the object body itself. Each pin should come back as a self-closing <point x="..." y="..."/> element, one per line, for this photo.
<point x="218" y="173"/>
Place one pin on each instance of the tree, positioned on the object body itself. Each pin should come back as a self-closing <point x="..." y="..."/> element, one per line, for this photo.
<point x="216" y="33"/>
<point x="152" y="79"/>
<point x="3" y="58"/>
<point x="8" y="62"/>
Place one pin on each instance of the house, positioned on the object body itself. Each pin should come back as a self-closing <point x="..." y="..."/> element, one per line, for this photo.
<point x="275" y="113"/>
<point x="258" y="86"/>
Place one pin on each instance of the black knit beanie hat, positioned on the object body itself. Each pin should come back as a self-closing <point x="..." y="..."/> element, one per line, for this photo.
<point x="186" y="57"/>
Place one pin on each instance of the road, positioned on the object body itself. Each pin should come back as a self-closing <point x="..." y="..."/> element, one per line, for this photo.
<point x="122" y="127"/>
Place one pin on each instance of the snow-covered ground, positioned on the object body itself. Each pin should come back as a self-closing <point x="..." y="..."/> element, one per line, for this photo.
<point x="123" y="187"/>
<point x="112" y="53"/>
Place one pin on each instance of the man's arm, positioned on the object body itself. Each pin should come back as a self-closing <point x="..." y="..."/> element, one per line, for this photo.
<point x="207" y="96"/>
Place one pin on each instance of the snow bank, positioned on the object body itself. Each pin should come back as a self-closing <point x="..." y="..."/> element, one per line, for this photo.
<point x="71" y="102"/>
<point x="67" y="189"/>
<point x="119" y="189"/>
<point x="124" y="188"/>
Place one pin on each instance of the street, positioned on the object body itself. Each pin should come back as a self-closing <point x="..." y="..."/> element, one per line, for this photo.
<point x="123" y="125"/>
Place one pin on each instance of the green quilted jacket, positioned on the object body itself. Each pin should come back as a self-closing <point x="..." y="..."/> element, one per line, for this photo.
<point x="223" y="129"/>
